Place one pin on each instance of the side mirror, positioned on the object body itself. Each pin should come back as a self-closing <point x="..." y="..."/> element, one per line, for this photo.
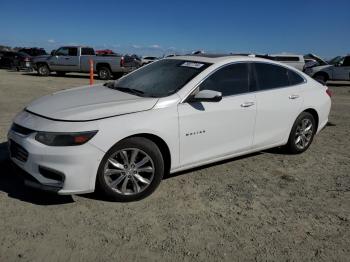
<point x="53" y="52"/>
<point x="206" y="96"/>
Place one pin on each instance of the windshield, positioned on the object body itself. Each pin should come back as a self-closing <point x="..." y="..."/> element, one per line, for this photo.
<point x="336" y="60"/>
<point x="161" y="78"/>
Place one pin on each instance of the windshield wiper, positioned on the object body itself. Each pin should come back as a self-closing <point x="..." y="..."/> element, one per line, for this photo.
<point x="124" y="89"/>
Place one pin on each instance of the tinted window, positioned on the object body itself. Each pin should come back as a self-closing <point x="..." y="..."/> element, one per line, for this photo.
<point x="62" y="51"/>
<point x="72" y="51"/>
<point x="271" y="76"/>
<point x="286" y="58"/>
<point x="346" y="61"/>
<point x="230" y="80"/>
<point x="87" y="51"/>
<point x="161" y="78"/>
<point x="294" y="78"/>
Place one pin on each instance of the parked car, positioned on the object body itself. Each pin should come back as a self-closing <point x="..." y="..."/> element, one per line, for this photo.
<point x="148" y="59"/>
<point x="172" y="115"/>
<point x="15" y="60"/>
<point x="33" y="51"/>
<point x="76" y="59"/>
<point x="337" y="69"/>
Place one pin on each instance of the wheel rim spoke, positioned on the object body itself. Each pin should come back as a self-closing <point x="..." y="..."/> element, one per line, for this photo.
<point x="116" y="182"/>
<point x="142" y="179"/>
<point x="115" y="163"/>
<point x="142" y="162"/>
<point x="125" y="157"/>
<point x="110" y="172"/>
<point x="148" y="169"/>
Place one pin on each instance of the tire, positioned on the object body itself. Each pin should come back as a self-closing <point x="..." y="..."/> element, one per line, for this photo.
<point x="59" y="73"/>
<point x="104" y="73"/>
<point x="43" y="70"/>
<point x="122" y="179"/>
<point x="302" y="133"/>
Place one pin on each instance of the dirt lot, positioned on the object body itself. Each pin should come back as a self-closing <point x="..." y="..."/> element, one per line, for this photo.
<point x="263" y="207"/>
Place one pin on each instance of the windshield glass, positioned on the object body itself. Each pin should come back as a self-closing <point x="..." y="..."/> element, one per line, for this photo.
<point x="161" y="78"/>
<point x="336" y="60"/>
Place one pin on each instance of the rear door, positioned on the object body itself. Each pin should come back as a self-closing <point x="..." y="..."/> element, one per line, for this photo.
<point x="342" y="70"/>
<point x="209" y="130"/>
<point x="279" y="99"/>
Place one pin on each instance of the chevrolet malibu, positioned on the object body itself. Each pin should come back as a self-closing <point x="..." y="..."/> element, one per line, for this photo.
<point x="171" y="115"/>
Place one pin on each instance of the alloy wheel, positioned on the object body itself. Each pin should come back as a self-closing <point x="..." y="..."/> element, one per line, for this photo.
<point x="303" y="133"/>
<point x="129" y="171"/>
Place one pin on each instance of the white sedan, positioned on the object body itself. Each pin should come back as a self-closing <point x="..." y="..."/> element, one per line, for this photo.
<point x="171" y="115"/>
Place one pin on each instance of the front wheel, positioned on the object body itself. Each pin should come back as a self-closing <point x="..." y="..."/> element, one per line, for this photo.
<point x="302" y="133"/>
<point x="130" y="170"/>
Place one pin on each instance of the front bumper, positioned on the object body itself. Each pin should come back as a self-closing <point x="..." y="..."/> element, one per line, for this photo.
<point x="65" y="170"/>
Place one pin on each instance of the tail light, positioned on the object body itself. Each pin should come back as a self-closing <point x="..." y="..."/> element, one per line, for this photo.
<point x="122" y="61"/>
<point x="329" y="92"/>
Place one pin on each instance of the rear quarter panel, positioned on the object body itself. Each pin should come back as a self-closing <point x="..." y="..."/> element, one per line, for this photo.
<point x="315" y="97"/>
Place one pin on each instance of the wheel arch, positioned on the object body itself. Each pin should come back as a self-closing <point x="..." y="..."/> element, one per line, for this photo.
<point x="322" y="73"/>
<point x="162" y="145"/>
<point x="315" y="115"/>
<point x="100" y="65"/>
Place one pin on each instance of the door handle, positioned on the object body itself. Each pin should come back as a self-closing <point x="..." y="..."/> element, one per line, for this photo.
<point x="247" y="104"/>
<point x="66" y="58"/>
<point x="293" y="96"/>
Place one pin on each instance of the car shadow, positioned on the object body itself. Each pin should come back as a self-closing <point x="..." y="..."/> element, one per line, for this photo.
<point x="58" y="76"/>
<point x="12" y="183"/>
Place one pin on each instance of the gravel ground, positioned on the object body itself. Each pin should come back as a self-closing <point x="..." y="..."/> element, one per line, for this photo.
<point x="265" y="206"/>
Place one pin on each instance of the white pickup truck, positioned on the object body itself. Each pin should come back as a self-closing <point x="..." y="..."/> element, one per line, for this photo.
<point x="336" y="69"/>
<point x="76" y="59"/>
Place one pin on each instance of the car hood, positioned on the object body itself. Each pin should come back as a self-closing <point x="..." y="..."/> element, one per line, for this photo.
<point x="89" y="103"/>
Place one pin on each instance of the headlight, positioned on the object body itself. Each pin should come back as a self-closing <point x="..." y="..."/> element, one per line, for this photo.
<point x="64" y="139"/>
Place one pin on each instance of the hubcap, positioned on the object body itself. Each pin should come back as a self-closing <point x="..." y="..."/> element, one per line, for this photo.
<point x="303" y="133"/>
<point x="129" y="171"/>
<point x="43" y="70"/>
<point x="103" y="74"/>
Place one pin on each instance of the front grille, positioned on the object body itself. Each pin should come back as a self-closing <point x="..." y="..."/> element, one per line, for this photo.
<point x="21" y="130"/>
<point x="18" y="152"/>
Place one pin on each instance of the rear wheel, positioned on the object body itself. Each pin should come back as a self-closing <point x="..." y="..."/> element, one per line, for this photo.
<point x="104" y="73"/>
<point x="130" y="170"/>
<point x="43" y="70"/>
<point x="302" y="133"/>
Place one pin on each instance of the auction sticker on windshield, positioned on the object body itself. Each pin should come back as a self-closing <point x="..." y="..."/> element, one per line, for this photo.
<point x="192" y="64"/>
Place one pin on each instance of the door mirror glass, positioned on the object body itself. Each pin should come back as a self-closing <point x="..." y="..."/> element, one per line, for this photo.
<point x="53" y="52"/>
<point x="206" y="96"/>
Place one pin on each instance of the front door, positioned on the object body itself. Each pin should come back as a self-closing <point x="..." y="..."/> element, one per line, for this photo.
<point x="65" y="59"/>
<point x="210" y="130"/>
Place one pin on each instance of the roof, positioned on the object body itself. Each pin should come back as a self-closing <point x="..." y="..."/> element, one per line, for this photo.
<point x="215" y="58"/>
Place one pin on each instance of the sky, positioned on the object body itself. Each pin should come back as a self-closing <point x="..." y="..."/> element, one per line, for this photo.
<point x="155" y="27"/>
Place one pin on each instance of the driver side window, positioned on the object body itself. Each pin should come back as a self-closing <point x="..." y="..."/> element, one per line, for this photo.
<point x="62" y="51"/>
<point x="230" y="80"/>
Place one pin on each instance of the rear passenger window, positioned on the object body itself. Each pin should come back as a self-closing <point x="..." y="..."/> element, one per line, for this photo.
<point x="294" y="78"/>
<point x="271" y="76"/>
<point x="72" y="51"/>
<point x="230" y="80"/>
<point x="87" y="51"/>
